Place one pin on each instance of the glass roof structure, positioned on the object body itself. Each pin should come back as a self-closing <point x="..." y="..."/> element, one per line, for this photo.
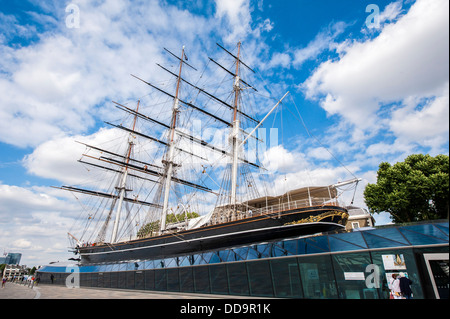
<point x="385" y="237"/>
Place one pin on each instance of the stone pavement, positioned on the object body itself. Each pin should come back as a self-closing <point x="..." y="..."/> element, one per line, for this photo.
<point x="16" y="291"/>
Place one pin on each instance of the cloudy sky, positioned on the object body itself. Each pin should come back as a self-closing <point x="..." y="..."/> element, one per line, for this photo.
<point x="369" y="79"/>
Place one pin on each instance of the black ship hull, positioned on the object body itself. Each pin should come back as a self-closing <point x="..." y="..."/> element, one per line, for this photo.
<point x="276" y="225"/>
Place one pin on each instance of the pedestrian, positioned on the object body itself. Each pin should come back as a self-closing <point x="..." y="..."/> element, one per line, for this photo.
<point x="52" y="278"/>
<point x="396" y="288"/>
<point x="391" y="287"/>
<point x="3" y="282"/>
<point x="405" y="286"/>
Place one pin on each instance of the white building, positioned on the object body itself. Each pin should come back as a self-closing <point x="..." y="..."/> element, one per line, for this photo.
<point x="358" y="218"/>
<point x="16" y="272"/>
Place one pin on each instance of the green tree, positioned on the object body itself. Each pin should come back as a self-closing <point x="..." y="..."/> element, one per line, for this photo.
<point x="153" y="227"/>
<point x="413" y="190"/>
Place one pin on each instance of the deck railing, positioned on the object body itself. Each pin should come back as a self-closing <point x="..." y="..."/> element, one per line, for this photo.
<point x="302" y="203"/>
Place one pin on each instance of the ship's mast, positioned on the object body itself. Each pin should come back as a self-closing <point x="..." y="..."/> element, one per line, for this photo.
<point x="169" y="164"/>
<point x="235" y="131"/>
<point x="122" y="186"/>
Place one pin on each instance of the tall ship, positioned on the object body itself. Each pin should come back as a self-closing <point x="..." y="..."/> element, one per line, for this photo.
<point x="182" y="172"/>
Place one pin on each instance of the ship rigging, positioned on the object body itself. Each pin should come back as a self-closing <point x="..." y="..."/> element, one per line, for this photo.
<point x="138" y="214"/>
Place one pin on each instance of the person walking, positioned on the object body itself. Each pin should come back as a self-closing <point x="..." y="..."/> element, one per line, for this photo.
<point x="396" y="288"/>
<point x="405" y="286"/>
<point x="3" y="282"/>
<point x="391" y="287"/>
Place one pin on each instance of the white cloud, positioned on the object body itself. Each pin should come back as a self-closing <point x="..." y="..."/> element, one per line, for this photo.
<point x="426" y="126"/>
<point x="310" y="176"/>
<point x="324" y="40"/>
<point x="278" y="160"/>
<point x="17" y="202"/>
<point x="237" y="14"/>
<point x="391" y="12"/>
<point x="377" y="21"/>
<point x="320" y="153"/>
<point x="32" y="219"/>
<point x="21" y="244"/>
<point x="407" y="61"/>
<point x="280" y="59"/>
<point x="56" y="158"/>
<point x="57" y="84"/>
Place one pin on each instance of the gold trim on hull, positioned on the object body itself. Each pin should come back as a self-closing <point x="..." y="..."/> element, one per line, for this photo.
<point x="312" y="219"/>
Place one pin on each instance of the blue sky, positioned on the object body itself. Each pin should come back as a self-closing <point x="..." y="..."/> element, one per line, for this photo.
<point x="368" y="93"/>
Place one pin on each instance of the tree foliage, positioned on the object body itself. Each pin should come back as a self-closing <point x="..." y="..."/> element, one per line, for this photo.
<point x="413" y="190"/>
<point x="153" y="227"/>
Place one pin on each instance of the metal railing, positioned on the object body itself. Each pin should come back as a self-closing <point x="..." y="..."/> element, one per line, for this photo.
<point x="301" y="203"/>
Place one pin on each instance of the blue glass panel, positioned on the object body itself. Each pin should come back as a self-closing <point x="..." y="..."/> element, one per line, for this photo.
<point x="53" y="269"/>
<point x="317" y="245"/>
<point x="223" y="254"/>
<point x="277" y="251"/>
<point x="202" y="260"/>
<point x="43" y="269"/>
<point x="340" y="245"/>
<point x="158" y="263"/>
<point x="374" y="241"/>
<point x="443" y="227"/>
<point x="115" y="267"/>
<point x="214" y="259"/>
<point x="347" y="241"/>
<point x="241" y="252"/>
<point x="102" y="268"/>
<point x="237" y="257"/>
<point x="207" y="257"/>
<point x="253" y="254"/>
<point x="198" y="260"/>
<point x="390" y="234"/>
<point x="290" y="246"/>
<point x="130" y="266"/>
<point x="264" y="250"/>
<point x="233" y="257"/>
<point x="420" y="239"/>
<point x="429" y="230"/>
<point x="301" y="247"/>
<point x="97" y="268"/>
<point x="46" y="269"/>
<point x="170" y="262"/>
<point x="64" y="269"/>
<point x="87" y="269"/>
<point x="149" y="264"/>
<point x="185" y="261"/>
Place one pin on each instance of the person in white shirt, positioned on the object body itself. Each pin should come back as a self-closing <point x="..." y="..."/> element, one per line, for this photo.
<point x="396" y="288"/>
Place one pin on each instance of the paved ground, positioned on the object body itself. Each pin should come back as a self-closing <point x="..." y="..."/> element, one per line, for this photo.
<point x="16" y="291"/>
